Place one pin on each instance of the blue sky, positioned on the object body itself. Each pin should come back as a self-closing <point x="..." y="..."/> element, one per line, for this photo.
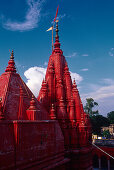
<point x="86" y="36"/>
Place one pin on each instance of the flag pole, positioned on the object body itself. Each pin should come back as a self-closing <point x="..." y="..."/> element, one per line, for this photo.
<point x="51" y="28"/>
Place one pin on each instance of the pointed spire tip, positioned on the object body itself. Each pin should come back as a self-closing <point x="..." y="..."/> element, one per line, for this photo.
<point x="11" y="64"/>
<point x="12" y="55"/>
<point x="57" y="30"/>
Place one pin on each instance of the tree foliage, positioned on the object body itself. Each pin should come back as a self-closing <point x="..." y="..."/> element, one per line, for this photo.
<point x="88" y="108"/>
<point x="97" y="122"/>
<point x="110" y="117"/>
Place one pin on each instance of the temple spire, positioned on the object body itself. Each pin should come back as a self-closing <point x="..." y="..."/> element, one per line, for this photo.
<point x="52" y="113"/>
<point x="74" y="84"/>
<point x="32" y="104"/>
<point x="11" y="64"/>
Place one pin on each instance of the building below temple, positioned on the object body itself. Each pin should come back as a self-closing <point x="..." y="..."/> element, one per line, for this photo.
<point x="109" y="128"/>
<point x="48" y="132"/>
<point x="103" y="154"/>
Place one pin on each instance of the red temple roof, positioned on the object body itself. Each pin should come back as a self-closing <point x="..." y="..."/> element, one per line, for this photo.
<point x="16" y="96"/>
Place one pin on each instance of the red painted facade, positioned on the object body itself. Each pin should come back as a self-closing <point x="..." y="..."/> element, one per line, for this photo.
<point x="49" y="132"/>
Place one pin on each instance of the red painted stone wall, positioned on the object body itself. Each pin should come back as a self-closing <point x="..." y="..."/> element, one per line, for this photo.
<point x="28" y="143"/>
<point x="7" y="145"/>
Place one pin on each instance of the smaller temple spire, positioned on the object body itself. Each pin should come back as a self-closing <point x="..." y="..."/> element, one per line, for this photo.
<point x="74" y="84"/>
<point x="32" y="104"/>
<point x="11" y="64"/>
<point x="52" y="113"/>
<point x="76" y="98"/>
<point x="74" y="87"/>
<point x="32" y="111"/>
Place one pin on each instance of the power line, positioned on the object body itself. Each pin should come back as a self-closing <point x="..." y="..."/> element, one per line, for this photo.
<point x="103" y="151"/>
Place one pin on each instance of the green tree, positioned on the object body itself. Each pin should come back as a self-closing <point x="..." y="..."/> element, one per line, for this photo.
<point x="97" y="122"/>
<point x="110" y="117"/>
<point x="88" y="108"/>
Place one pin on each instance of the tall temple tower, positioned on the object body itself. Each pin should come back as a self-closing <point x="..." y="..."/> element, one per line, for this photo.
<point x="62" y="100"/>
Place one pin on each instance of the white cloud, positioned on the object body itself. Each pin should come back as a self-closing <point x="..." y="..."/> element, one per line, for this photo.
<point x="84" y="69"/>
<point x="85" y="55"/>
<point x="45" y="63"/>
<point x="104" y="95"/>
<point x="19" y="66"/>
<point x="102" y="92"/>
<point x="35" y="76"/>
<point x="108" y="81"/>
<point x="31" y="18"/>
<point x="76" y="76"/>
<point x="72" y="55"/>
<point x="111" y="52"/>
<point x="61" y="16"/>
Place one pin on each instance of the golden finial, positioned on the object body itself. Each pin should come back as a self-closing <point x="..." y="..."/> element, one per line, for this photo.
<point x="12" y="55"/>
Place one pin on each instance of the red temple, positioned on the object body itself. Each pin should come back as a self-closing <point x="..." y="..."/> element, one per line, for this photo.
<point x="50" y="132"/>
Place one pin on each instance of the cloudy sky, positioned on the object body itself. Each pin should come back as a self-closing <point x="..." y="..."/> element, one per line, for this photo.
<point x="86" y="30"/>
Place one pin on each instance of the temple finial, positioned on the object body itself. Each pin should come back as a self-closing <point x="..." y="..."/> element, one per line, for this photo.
<point x="57" y="44"/>
<point x="12" y="55"/>
<point x="74" y="84"/>
<point x="57" y="30"/>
